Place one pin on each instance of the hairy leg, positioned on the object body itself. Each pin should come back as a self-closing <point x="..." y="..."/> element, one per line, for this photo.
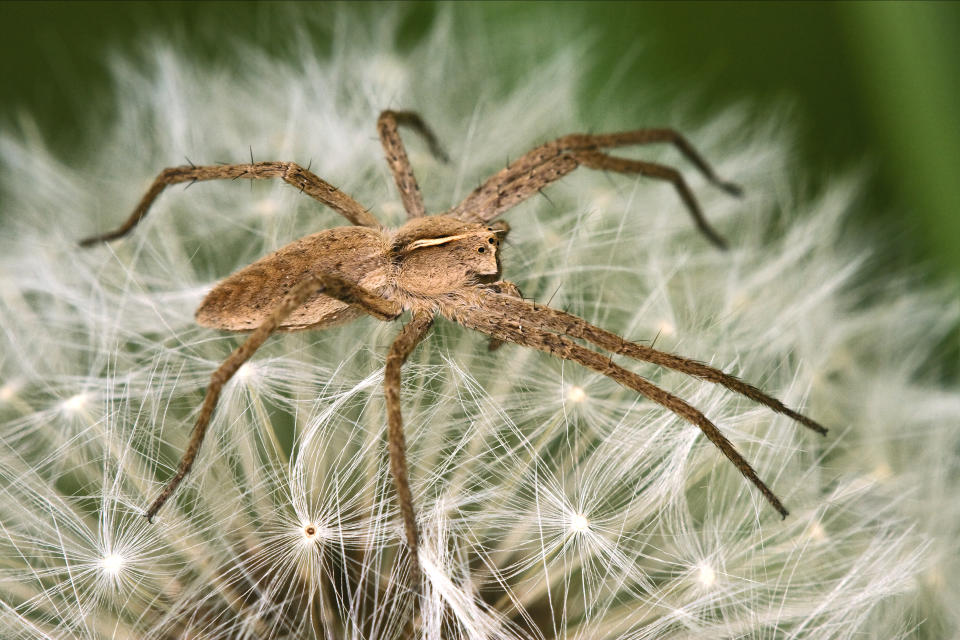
<point x="549" y="319"/>
<point x="549" y="162"/>
<point x="519" y="330"/>
<point x="289" y="172"/>
<point x="508" y="289"/>
<point x="328" y="285"/>
<point x="400" y="350"/>
<point x="397" y="158"/>
<point x="603" y="162"/>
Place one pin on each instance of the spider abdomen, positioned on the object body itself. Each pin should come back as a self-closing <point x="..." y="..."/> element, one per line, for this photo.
<point x="243" y="300"/>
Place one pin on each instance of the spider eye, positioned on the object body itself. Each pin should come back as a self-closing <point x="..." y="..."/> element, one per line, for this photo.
<point x="481" y="249"/>
<point x="491" y="240"/>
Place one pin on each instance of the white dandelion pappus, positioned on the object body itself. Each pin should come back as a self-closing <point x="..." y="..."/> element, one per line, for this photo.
<point x="545" y="512"/>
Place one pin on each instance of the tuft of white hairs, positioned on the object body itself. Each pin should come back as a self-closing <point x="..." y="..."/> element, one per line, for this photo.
<point x="553" y="503"/>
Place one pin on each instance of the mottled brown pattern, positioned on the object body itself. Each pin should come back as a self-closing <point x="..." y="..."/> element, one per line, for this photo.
<point x="447" y="264"/>
<point x="243" y="301"/>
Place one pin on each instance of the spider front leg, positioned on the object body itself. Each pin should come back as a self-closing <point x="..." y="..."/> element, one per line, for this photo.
<point x="332" y="286"/>
<point x="290" y="172"/>
<point x="548" y="163"/>
<point x="508" y="289"/>
<point x="499" y="317"/>
<point x="397" y="158"/>
<point x="549" y="319"/>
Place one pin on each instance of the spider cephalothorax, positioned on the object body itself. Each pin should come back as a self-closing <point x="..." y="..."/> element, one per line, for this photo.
<point x="441" y="254"/>
<point x="446" y="264"/>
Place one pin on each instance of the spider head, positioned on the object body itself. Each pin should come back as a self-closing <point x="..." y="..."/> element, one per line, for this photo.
<point x="438" y="254"/>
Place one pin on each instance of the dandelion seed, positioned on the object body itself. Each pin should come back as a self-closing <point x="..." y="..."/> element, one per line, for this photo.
<point x="740" y="301"/>
<point x="312" y="532"/>
<point x="112" y="564"/>
<point x="10" y="390"/>
<point x="388" y="71"/>
<point x="816" y="532"/>
<point x="682" y="614"/>
<point x="935" y="579"/>
<point x="576" y="394"/>
<point x="882" y="472"/>
<point x="666" y="328"/>
<point x="267" y="206"/>
<point x="75" y="404"/>
<point x="706" y="576"/>
<point x="579" y="523"/>
<point x="602" y="198"/>
<point x="248" y="371"/>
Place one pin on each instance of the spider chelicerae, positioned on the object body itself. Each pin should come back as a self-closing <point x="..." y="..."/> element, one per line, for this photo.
<point x="445" y="264"/>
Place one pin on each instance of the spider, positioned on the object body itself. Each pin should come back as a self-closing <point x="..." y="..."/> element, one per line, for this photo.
<point x="446" y="264"/>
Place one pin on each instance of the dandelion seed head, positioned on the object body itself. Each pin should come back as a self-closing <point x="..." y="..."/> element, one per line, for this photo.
<point x="546" y="511"/>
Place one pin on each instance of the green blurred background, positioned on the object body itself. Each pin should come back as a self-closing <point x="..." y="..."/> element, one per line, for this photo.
<point x="870" y="84"/>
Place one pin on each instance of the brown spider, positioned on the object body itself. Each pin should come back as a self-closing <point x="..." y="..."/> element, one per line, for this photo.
<point x="446" y="264"/>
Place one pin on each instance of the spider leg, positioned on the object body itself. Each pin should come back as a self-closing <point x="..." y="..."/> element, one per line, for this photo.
<point x="509" y="328"/>
<point x="397" y="158"/>
<point x="332" y="286"/>
<point x="508" y="289"/>
<point x="550" y="319"/>
<point x="290" y="172"/>
<point x="587" y="142"/>
<point x="511" y="186"/>
<point x="400" y="350"/>
<point x="603" y="162"/>
<point x="549" y="162"/>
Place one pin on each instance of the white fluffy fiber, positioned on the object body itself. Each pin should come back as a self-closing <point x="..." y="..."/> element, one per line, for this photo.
<point x="553" y="502"/>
